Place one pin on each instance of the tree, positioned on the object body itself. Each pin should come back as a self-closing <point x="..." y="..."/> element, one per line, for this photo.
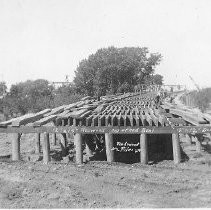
<point x="30" y="96"/>
<point x="202" y="98"/>
<point x="3" y="88"/>
<point x="157" y="79"/>
<point x="112" y="70"/>
<point x="65" y="95"/>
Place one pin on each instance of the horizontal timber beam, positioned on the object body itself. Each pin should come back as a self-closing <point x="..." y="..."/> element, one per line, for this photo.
<point x="113" y="130"/>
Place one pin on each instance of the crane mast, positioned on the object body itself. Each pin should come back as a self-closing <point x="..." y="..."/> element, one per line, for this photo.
<point x="197" y="86"/>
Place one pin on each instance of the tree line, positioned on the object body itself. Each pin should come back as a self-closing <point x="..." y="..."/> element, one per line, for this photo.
<point x="200" y="99"/>
<point x="108" y="71"/>
<point x="34" y="96"/>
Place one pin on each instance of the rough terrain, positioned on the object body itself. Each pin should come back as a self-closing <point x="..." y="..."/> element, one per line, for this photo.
<point x="98" y="184"/>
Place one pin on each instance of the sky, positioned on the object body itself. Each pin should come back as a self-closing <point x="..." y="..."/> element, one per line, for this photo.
<point x="48" y="38"/>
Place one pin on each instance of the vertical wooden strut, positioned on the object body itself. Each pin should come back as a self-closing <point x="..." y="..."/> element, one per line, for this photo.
<point x="16" y="146"/>
<point x="64" y="140"/>
<point x="144" y="149"/>
<point x="37" y="143"/>
<point x="198" y="144"/>
<point x="176" y="148"/>
<point x="109" y="145"/>
<point x="63" y="143"/>
<point x="46" y="148"/>
<point x="188" y="139"/>
<point x="89" y="152"/>
<point x="54" y="139"/>
<point x="78" y="148"/>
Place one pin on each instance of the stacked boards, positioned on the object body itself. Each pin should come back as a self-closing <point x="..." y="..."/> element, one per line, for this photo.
<point x="131" y="109"/>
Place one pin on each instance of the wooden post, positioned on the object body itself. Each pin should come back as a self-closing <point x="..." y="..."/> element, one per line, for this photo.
<point x="188" y="139"/>
<point x="176" y="148"/>
<point x="109" y="145"/>
<point x="144" y="149"/>
<point x="16" y="146"/>
<point x="64" y="140"/>
<point x="198" y="145"/>
<point x="54" y="139"/>
<point x="37" y="143"/>
<point x="88" y="151"/>
<point x="78" y="148"/>
<point x="63" y="143"/>
<point x="46" y="148"/>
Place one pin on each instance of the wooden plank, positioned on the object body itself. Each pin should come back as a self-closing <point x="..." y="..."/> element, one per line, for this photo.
<point x="101" y="120"/>
<point x="162" y="119"/>
<point x="137" y="119"/>
<point x="108" y="120"/>
<point x="187" y="117"/>
<point x="100" y="108"/>
<point x="148" y="118"/>
<point x="44" y="120"/>
<point x="95" y="120"/>
<point x="86" y="98"/>
<point x="88" y="107"/>
<point x="80" y="104"/>
<point x="119" y="119"/>
<point x="84" y="114"/>
<point x="143" y="119"/>
<point x="63" y="114"/>
<point x="110" y="129"/>
<point x="89" y="120"/>
<point x="56" y="110"/>
<point x="77" y="114"/>
<point x="113" y="120"/>
<point x="154" y="118"/>
<point x="70" y="106"/>
<point x="177" y="121"/>
<point x="131" y="119"/>
<point x="125" y="118"/>
<point x="30" y="118"/>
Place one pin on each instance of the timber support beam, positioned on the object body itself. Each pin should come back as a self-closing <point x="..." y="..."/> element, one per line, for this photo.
<point x="78" y="148"/>
<point x="144" y="149"/>
<point x="176" y="148"/>
<point x="109" y="146"/>
<point x="16" y="146"/>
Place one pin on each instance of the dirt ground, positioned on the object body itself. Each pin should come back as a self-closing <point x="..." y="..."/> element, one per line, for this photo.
<point x="98" y="184"/>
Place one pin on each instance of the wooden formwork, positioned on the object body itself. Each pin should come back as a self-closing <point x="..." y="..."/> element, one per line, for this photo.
<point x="130" y="113"/>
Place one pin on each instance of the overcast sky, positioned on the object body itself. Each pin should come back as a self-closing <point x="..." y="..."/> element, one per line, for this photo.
<point x="47" y="38"/>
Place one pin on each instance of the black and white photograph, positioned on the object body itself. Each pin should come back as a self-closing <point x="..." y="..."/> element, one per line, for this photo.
<point x="105" y="104"/>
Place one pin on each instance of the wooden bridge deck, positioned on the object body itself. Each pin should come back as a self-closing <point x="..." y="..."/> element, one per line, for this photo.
<point x="128" y="113"/>
<point x="129" y="110"/>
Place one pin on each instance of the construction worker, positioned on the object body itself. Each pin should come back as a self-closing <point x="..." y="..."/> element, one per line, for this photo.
<point x="157" y="99"/>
